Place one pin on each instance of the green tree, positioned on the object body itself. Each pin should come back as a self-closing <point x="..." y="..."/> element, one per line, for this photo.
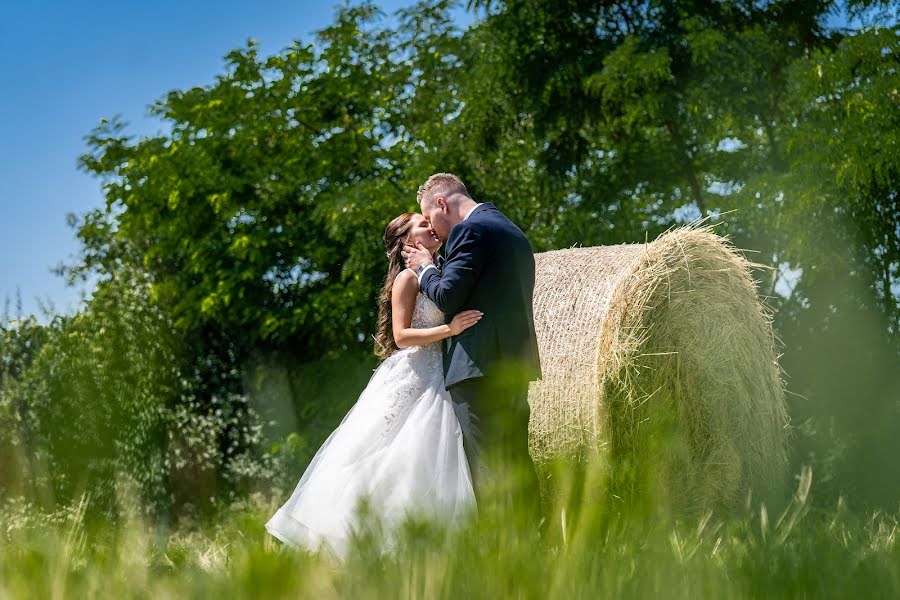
<point x="260" y="214"/>
<point x="840" y="222"/>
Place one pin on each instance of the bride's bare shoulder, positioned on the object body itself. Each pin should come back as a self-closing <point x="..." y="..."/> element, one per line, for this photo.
<point x="406" y="276"/>
<point x="406" y="282"/>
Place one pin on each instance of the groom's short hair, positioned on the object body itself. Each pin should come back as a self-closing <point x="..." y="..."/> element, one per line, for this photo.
<point x="440" y="184"/>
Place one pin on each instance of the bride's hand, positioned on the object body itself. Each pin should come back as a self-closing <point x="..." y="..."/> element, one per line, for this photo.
<point x="464" y="320"/>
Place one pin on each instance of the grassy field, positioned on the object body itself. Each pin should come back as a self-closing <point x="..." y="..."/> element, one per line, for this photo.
<point x="800" y="551"/>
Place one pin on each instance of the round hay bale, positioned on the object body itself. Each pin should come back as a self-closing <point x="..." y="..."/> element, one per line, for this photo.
<point x="660" y="371"/>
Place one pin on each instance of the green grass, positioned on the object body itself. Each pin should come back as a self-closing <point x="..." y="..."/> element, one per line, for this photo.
<point x="799" y="552"/>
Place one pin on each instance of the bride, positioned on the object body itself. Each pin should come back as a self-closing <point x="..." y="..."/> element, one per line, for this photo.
<point x="400" y="448"/>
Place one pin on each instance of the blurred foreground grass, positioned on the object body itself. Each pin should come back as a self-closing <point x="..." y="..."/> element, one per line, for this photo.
<point x="799" y="551"/>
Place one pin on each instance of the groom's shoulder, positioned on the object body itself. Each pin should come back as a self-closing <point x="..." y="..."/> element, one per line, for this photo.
<point x="484" y="215"/>
<point x="491" y="217"/>
<point x="484" y="222"/>
<point x="475" y="224"/>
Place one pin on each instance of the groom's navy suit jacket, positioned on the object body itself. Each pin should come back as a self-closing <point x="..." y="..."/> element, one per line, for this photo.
<point x="489" y="266"/>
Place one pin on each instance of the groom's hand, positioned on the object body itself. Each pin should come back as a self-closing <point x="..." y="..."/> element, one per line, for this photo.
<point x="416" y="256"/>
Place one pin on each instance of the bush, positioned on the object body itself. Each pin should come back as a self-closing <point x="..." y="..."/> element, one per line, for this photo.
<point x="111" y="396"/>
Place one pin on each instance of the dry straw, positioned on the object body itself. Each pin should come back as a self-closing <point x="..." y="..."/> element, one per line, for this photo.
<point x="660" y="372"/>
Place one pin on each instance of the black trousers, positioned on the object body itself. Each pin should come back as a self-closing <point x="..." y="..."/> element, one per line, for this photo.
<point x="497" y="444"/>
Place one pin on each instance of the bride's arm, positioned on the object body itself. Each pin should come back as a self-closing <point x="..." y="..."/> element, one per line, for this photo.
<point x="403" y="301"/>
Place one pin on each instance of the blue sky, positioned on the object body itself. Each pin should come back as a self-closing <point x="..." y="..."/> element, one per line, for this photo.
<point x="67" y="64"/>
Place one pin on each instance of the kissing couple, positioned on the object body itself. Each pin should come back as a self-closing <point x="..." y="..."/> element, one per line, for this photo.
<point x="441" y="428"/>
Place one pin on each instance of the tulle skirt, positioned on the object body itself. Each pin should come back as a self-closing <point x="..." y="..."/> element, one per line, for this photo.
<point x="400" y="448"/>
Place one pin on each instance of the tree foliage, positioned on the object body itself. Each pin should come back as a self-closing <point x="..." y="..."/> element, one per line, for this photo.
<point x="256" y="218"/>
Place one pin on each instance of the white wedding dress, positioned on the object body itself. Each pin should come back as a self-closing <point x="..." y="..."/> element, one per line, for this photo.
<point x="400" y="447"/>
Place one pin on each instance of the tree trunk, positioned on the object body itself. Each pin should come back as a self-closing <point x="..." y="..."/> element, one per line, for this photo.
<point x="690" y="170"/>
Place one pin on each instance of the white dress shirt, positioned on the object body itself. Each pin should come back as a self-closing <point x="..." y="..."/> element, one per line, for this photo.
<point x="431" y="266"/>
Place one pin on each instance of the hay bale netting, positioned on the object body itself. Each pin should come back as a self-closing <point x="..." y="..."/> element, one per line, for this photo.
<point x="659" y="367"/>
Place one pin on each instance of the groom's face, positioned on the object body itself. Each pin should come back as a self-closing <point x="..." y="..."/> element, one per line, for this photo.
<point x="438" y="215"/>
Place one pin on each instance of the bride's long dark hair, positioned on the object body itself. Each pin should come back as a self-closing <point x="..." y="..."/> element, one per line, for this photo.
<point x="393" y="243"/>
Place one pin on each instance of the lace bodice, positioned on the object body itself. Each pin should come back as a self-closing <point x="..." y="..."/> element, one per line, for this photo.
<point x="425" y="358"/>
<point x="413" y="369"/>
<point x="426" y="313"/>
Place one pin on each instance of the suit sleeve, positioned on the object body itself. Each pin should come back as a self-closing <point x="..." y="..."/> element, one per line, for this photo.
<point x="463" y="263"/>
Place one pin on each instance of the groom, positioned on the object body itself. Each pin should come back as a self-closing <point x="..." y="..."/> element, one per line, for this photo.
<point x="488" y="266"/>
